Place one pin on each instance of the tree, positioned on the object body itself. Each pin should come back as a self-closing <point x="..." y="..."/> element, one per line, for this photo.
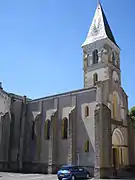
<point x="132" y="115"/>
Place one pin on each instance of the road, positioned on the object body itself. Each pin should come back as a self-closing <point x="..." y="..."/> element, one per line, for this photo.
<point x="17" y="176"/>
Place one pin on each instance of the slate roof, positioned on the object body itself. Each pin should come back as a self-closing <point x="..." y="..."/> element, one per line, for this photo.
<point x="103" y="29"/>
<point x="107" y="27"/>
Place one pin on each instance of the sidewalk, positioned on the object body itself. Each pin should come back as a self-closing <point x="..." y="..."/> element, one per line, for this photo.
<point x="122" y="175"/>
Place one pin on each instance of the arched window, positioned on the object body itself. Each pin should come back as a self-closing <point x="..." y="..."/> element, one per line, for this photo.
<point x="47" y="130"/>
<point x="114" y="106"/>
<point x="95" y="56"/>
<point x="86" y="146"/>
<point x="113" y="57"/>
<point x="95" y="79"/>
<point x="86" y="111"/>
<point x="64" y="128"/>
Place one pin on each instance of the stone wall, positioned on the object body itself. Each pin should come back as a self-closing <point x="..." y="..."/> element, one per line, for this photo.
<point x="103" y="142"/>
<point x="131" y="143"/>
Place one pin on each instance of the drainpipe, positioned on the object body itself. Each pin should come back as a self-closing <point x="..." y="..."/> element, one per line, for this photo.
<point x="78" y="159"/>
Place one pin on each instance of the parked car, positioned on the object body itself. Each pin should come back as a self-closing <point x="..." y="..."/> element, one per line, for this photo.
<point x="71" y="172"/>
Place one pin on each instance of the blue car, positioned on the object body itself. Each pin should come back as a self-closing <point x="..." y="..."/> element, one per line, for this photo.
<point x="71" y="172"/>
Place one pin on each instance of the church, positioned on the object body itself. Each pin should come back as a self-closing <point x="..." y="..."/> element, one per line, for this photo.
<point x="88" y="127"/>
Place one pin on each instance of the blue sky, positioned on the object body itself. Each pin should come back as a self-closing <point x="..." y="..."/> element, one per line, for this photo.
<point x="40" y="44"/>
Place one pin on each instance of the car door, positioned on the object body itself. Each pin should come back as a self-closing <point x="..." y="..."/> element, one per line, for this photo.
<point x="81" y="172"/>
<point x="76" y="172"/>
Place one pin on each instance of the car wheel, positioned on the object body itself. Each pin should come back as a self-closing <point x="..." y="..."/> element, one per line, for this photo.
<point x="73" y="177"/>
<point x="87" y="176"/>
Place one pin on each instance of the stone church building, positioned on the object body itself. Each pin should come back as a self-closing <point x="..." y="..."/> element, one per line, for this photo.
<point x="88" y="127"/>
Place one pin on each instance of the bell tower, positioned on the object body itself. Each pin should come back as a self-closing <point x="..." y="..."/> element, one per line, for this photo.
<point x="100" y="51"/>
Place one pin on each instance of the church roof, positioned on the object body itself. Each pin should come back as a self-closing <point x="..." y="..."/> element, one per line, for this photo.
<point x="99" y="28"/>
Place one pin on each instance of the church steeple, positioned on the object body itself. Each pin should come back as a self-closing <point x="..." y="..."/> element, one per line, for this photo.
<point x="99" y="28"/>
<point x="101" y="54"/>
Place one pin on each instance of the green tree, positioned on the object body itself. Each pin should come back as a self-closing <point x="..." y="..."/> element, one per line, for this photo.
<point x="132" y="115"/>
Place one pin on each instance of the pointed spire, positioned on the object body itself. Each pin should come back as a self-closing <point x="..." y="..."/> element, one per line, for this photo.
<point x="99" y="28"/>
<point x="98" y="1"/>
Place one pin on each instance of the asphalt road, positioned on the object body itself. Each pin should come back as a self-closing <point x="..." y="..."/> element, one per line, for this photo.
<point x="17" y="176"/>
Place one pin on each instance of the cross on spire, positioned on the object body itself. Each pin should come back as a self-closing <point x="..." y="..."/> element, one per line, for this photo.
<point x="98" y="1"/>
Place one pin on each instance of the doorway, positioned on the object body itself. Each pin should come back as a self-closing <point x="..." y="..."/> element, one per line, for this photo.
<point x="116" y="157"/>
<point x="117" y="146"/>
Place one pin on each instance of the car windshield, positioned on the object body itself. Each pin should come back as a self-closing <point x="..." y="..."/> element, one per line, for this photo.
<point x="66" y="168"/>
